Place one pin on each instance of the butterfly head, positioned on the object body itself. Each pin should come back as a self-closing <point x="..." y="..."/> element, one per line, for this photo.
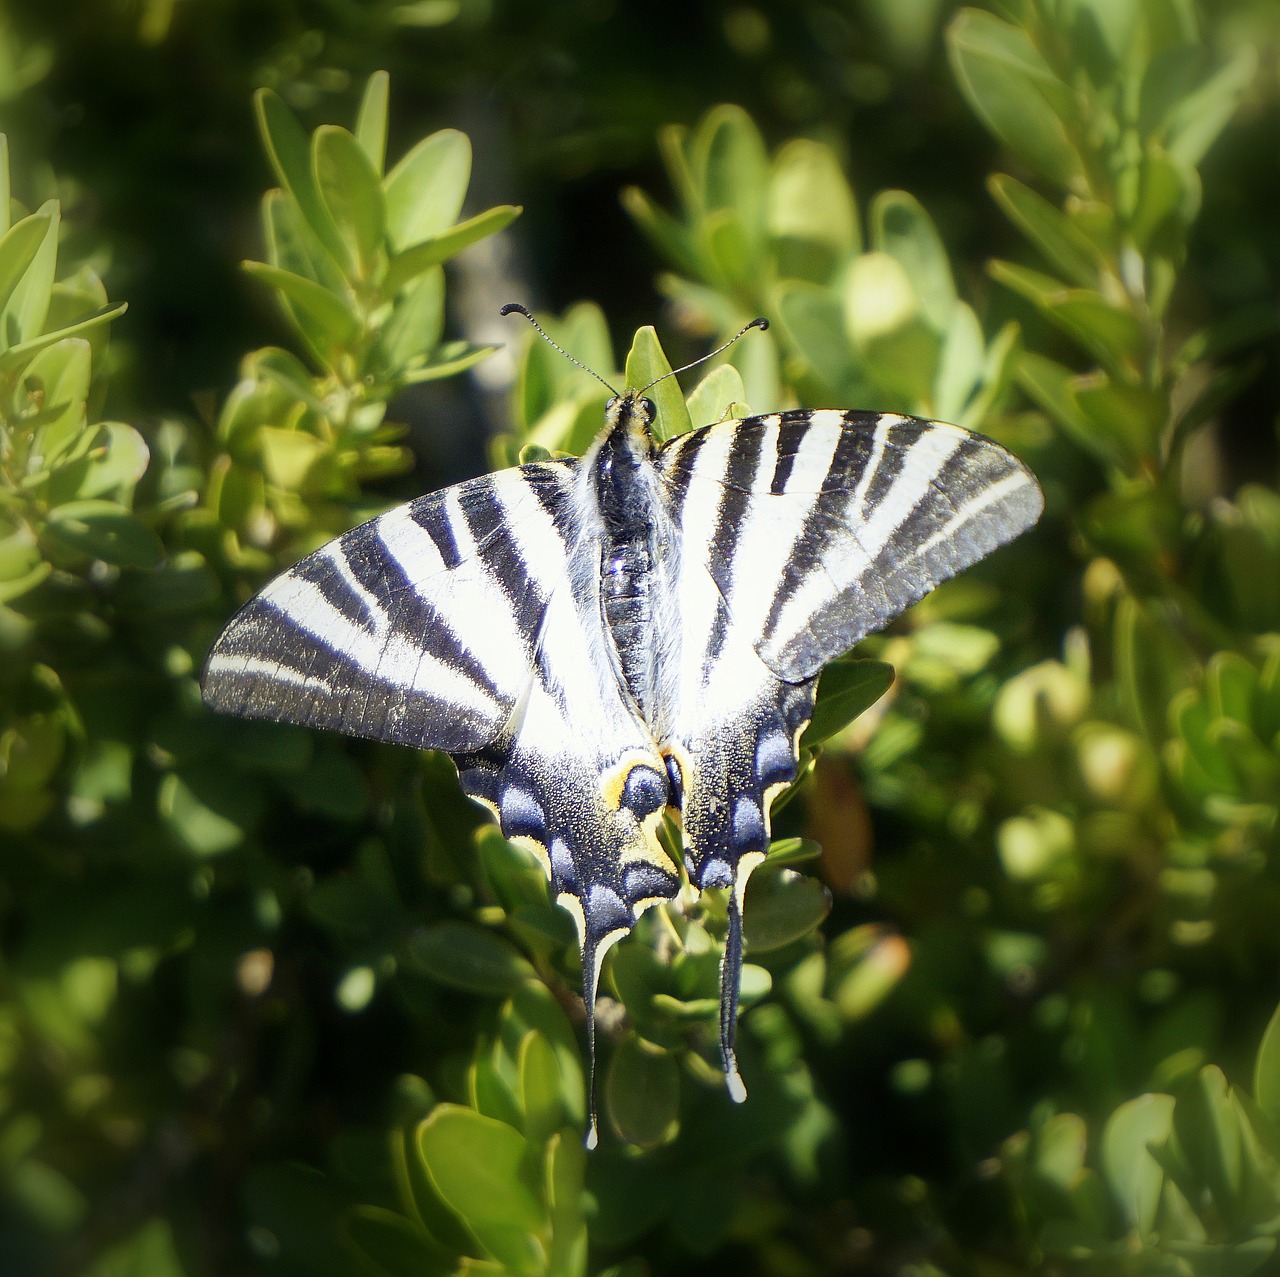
<point x="630" y="417"/>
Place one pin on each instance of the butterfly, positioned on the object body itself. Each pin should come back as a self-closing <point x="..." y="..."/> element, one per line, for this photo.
<point x="599" y="640"/>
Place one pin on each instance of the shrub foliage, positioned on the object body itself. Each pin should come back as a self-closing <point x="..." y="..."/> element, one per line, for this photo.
<point x="278" y="1002"/>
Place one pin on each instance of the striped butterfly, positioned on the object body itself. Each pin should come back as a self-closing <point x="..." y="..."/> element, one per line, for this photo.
<point x="598" y="640"/>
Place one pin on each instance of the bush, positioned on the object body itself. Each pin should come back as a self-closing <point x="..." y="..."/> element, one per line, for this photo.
<point x="279" y="1002"/>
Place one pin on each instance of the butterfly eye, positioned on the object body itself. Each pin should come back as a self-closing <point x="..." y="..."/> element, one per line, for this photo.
<point x="650" y="408"/>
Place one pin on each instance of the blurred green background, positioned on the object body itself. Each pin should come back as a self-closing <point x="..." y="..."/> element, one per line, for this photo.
<point x="277" y="1002"/>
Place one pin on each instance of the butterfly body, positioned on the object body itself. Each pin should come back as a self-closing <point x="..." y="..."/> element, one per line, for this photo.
<point x="598" y="640"/>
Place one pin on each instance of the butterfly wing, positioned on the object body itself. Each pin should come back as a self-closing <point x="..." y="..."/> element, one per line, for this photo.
<point x="801" y="533"/>
<point x="470" y="621"/>
<point x="417" y="627"/>
<point x="576" y="777"/>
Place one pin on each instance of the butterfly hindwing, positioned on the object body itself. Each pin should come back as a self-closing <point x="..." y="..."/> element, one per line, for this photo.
<point x="800" y="533"/>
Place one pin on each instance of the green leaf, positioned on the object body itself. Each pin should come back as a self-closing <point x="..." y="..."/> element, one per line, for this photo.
<point x="424" y="192"/>
<point x="541" y="1088"/>
<point x="1012" y="90"/>
<point x="960" y="365"/>
<point x="439" y="248"/>
<point x="1266" y="1070"/>
<point x="395" y="1245"/>
<point x="1198" y="117"/>
<point x="848" y="686"/>
<point x="813" y="322"/>
<point x="1134" y="1175"/>
<point x="371" y="120"/>
<point x="1050" y="230"/>
<point x="26" y="306"/>
<point x="208" y="812"/>
<point x="566" y="1171"/>
<point x="642" y="1093"/>
<point x="449" y="360"/>
<point x="117" y="459"/>
<point x="62" y="373"/>
<point x="18" y="250"/>
<point x="713" y="397"/>
<point x="323" y="319"/>
<point x="16" y="356"/>
<point x="462" y="956"/>
<point x="1224" y="1259"/>
<point x="148" y="1252"/>
<point x="351" y="193"/>
<point x="646" y="362"/>
<point x="811" y="215"/>
<point x="781" y="907"/>
<point x="730" y="168"/>
<point x="290" y="155"/>
<point x="411" y="332"/>
<point x="672" y="240"/>
<point x="479" y="1167"/>
<point x="104" y="530"/>
<point x="1207" y="1123"/>
<point x="901" y="228"/>
<point x="293" y="246"/>
<point x="897" y="345"/>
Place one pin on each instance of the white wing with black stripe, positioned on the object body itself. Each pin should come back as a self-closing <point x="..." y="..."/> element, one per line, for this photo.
<point x="596" y="641"/>
<point x="800" y="533"/>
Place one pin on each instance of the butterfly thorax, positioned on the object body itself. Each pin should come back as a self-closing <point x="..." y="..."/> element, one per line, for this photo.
<point x="630" y="546"/>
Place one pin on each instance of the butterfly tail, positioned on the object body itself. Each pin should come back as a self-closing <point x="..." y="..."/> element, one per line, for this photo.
<point x="730" y="982"/>
<point x="590" y="979"/>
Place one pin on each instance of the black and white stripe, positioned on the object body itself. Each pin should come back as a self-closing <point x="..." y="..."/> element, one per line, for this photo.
<point x="472" y="620"/>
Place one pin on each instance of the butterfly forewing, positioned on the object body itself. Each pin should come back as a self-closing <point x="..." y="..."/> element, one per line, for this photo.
<point x="417" y="627"/>
<point x="829" y="524"/>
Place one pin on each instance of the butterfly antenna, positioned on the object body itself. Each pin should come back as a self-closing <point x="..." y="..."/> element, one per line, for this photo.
<point x="760" y="323"/>
<point x="514" y="308"/>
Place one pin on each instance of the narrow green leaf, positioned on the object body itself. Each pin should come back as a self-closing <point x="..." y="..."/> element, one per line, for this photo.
<point x="411" y="332"/>
<point x="17" y="356"/>
<point x="26" y="307"/>
<point x="321" y="317"/>
<point x="5" y="193"/>
<point x="1198" y="118"/>
<point x="713" y="397"/>
<point x="811" y="214"/>
<point x="1013" y="91"/>
<point x="371" y="120"/>
<point x="351" y="193"/>
<point x="1208" y="1129"/>
<point x="398" y="1247"/>
<point x="466" y="957"/>
<point x="642" y="1093"/>
<point x="846" y="689"/>
<point x="565" y="1173"/>
<point x="901" y="228"/>
<point x="730" y="167"/>
<point x="290" y="155"/>
<point x="1065" y="246"/>
<point x="814" y="325"/>
<point x="1266" y="1068"/>
<point x="18" y="250"/>
<point x="781" y="907"/>
<point x="960" y="365"/>
<point x="1134" y="1176"/>
<point x="646" y="362"/>
<point x="424" y="192"/>
<point x="449" y="360"/>
<point x="541" y="1088"/>
<point x="293" y="246"/>
<point x="668" y="236"/>
<point x="104" y="530"/>
<point x="404" y="266"/>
